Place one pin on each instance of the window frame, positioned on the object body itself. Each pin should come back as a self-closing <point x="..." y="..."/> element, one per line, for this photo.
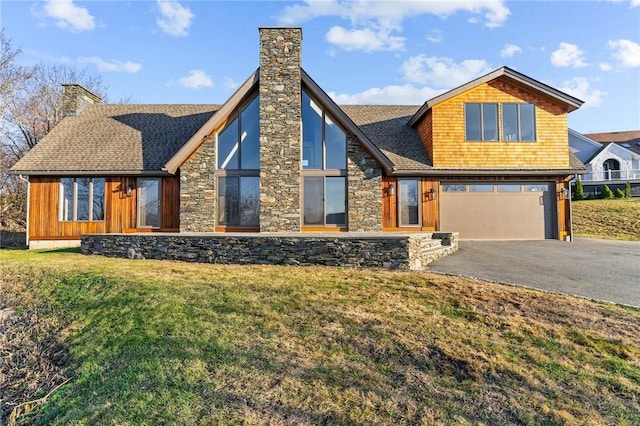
<point x="482" y="124"/>
<point x="324" y="223"/>
<point x="139" y="204"/>
<point x="518" y="136"/>
<point x="418" y="183"/>
<point x="74" y="199"/>
<point x="236" y="117"/>
<point x="500" y="121"/>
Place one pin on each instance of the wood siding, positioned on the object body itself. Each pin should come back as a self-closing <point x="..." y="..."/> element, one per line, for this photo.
<point x="445" y="138"/>
<point x="429" y="205"/>
<point x="120" y="209"/>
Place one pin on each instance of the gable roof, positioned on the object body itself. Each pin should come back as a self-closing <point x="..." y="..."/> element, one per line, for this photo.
<point x="115" y="139"/>
<point x="627" y="139"/>
<point x="513" y="76"/>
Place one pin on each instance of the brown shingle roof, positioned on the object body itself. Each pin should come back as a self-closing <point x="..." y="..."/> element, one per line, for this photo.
<point x="629" y="139"/>
<point x="116" y="137"/>
<point x="386" y="126"/>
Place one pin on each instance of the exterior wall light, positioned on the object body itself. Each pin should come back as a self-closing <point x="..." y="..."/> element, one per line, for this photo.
<point x="392" y="189"/>
<point x="129" y="190"/>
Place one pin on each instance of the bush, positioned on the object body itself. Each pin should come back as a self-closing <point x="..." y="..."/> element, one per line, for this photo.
<point x="627" y="190"/>
<point x="607" y="193"/>
<point x="579" y="193"/>
<point x="618" y="193"/>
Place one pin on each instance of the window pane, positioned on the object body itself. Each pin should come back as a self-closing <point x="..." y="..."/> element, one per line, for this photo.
<point x="98" y="199"/>
<point x="228" y="146"/>
<point x="311" y="134"/>
<point x="336" y="146"/>
<point x="527" y="122"/>
<point x="509" y="188"/>
<point x="536" y="188"/>
<point x="149" y="203"/>
<point x="481" y="188"/>
<point x="510" y="122"/>
<point x="451" y="187"/>
<point x="228" y="200"/>
<point x="313" y="201"/>
<point x="408" y="199"/>
<point x="490" y="122"/>
<point x="472" y="121"/>
<point x="336" y="204"/>
<point x="250" y="136"/>
<point x="82" y="206"/>
<point x="249" y="201"/>
<point x="66" y="199"/>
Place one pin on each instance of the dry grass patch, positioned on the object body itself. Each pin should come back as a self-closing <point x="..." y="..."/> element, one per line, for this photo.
<point x="617" y="219"/>
<point x="157" y="342"/>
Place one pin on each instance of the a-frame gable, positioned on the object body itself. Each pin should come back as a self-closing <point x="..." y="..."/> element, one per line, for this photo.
<point x="212" y="124"/>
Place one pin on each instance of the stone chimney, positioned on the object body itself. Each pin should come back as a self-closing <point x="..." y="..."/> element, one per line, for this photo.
<point x="280" y="128"/>
<point x="75" y="98"/>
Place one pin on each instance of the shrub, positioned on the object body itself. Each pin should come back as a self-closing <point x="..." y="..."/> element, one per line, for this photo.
<point x="579" y="193"/>
<point x="618" y="193"/>
<point x="627" y="190"/>
<point x="607" y="193"/>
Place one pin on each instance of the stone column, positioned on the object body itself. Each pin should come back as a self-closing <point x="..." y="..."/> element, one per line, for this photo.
<point x="75" y="98"/>
<point x="280" y="129"/>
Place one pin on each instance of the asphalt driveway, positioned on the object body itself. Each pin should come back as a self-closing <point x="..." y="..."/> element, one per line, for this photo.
<point x="596" y="269"/>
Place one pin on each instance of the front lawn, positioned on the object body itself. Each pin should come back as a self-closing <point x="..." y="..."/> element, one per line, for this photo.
<point x="617" y="219"/>
<point x="158" y="342"/>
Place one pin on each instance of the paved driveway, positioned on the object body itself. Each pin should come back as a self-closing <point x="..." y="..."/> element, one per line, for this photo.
<point x="596" y="269"/>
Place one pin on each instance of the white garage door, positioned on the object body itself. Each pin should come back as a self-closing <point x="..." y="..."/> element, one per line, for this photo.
<point x="499" y="210"/>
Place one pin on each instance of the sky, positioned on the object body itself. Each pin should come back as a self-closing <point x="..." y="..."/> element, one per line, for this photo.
<point x="360" y="52"/>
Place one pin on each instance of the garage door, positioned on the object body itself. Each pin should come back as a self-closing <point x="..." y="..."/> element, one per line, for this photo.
<point x="498" y="210"/>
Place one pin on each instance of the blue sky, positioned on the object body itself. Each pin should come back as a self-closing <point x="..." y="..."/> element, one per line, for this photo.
<point x="367" y="52"/>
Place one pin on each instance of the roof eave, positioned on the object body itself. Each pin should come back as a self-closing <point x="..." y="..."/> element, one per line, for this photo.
<point x="90" y="173"/>
<point x="486" y="172"/>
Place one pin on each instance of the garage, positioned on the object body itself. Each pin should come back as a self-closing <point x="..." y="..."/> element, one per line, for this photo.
<point x="499" y="210"/>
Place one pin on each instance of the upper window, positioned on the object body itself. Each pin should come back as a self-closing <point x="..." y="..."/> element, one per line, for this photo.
<point x="518" y="122"/>
<point x="239" y="142"/>
<point x="481" y="122"/>
<point x="324" y="143"/>
<point x="81" y="199"/>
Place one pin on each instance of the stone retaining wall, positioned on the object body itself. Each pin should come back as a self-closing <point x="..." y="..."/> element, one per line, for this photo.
<point x="395" y="251"/>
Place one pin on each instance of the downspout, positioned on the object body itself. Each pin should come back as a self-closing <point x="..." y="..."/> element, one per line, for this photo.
<point x="28" y="207"/>
<point x="571" y="210"/>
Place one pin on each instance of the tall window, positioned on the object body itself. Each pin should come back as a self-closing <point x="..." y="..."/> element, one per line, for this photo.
<point x="239" y="168"/>
<point x="324" y="167"/>
<point x="518" y="122"/>
<point x="81" y="199"/>
<point x="149" y="205"/>
<point x="481" y="122"/>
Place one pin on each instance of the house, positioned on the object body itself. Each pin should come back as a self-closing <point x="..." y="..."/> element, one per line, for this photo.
<point x="489" y="159"/>
<point x="608" y="162"/>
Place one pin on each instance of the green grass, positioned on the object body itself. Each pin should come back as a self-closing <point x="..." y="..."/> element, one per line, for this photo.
<point x="157" y="342"/>
<point x="617" y="219"/>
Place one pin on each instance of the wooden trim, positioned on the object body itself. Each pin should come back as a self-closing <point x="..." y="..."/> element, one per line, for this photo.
<point x="323" y="229"/>
<point x="54" y="238"/>
<point x="236" y="229"/>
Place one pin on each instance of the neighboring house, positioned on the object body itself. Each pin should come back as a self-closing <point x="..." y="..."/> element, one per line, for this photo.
<point x="608" y="162"/>
<point x="489" y="159"/>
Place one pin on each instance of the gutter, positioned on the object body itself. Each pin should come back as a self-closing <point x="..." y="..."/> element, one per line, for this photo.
<point x="28" y="207"/>
<point x="481" y="172"/>
<point x="91" y="172"/>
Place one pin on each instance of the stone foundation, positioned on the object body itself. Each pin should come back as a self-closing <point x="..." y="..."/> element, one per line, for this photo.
<point x="395" y="251"/>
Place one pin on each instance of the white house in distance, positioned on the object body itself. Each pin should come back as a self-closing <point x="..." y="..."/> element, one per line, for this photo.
<point x="607" y="163"/>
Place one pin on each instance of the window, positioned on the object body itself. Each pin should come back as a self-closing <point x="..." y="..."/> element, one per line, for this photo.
<point x="481" y="122"/>
<point x="149" y="206"/>
<point x="239" y="201"/>
<point x="507" y="187"/>
<point x="481" y="187"/>
<point x="408" y="202"/>
<point x="324" y="201"/>
<point x="81" y="199"/>
<point x="324" y="167"/>
<point x="452" y="187"/>
<point x="518" y="122"/>
<point x="239" y="167"/>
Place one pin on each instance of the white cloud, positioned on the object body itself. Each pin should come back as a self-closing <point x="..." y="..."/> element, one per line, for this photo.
<point x="375" y="24"/>
<point x="115" y="65"/>
<point x="509" y="50"/>
<point x="196" y="80"/>
<point x="568" y="55"/>
<point x="175" y="19"/>
<point x="389" y="95"/>
<point x="580" y="88"/>
<point x="366" y="39"/>
<point x="632" y="3"/>
<point x="626" y="51"/>
<point x="69" y="16"/>
<point x="435" y="36"/>
<point x="442" y="72"/>
<point x="605" y="67"/>
<point x="231" y="84"/>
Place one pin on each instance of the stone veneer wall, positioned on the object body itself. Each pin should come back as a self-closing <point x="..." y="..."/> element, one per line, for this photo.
<point x="280" y="132"/>
<point x="396" y="251"/>
<point x="197" y="190"/>
<point x="364" y="189"/>
<point x="75" y="98"/>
